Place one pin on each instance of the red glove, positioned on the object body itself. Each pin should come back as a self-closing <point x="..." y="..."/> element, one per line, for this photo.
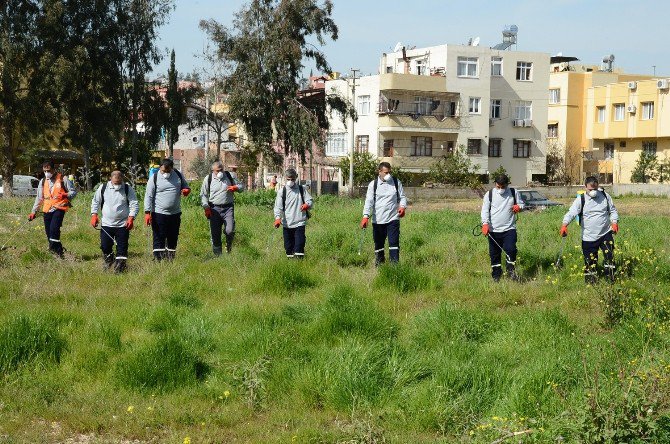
<point x="485" y="229"/>
<point x="564" y="230"/>
<point x="277" y="223"/>
<point x="62" y="195"/>
<point x="516" y="209"/>
<point x="233" y="188"/>
<point x="401" y="212"/>
<point x="185" y="191"/>
<point x="615" y="228"/>
<point x="129" y="223"/>
<point x="304" y="207"/>
<point x="364" y="222"/>
<point x="147" y="219"/>
<point x="31" y="217"/>
<point x="208" y="212"/>
<point x="94" y="220"/>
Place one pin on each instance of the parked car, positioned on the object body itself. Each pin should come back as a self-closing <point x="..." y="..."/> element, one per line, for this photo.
<point x="534" y="200"/>
<point x="23" y="186"/>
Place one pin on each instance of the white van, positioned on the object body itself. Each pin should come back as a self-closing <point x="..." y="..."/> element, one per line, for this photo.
<point x="23" y="186"/>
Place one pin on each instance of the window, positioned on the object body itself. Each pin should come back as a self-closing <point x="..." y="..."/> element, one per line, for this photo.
<point x="336" y="144"/>
<point x="609" y="150"/>
<point x="649" y="147"/>
<point x="524" y="71"/>
<point x="388" y="148"/>
<point x="552" y="130"/>
<point x="600" y="114"/>
<point x="422" y="146"/>
<point x="555" y="96"/>
<point x="362" y="144"/>
<point x="523" y="110"/>
<point x="521" y="148"/>
<point x="450" y="147"/>
<point x="422" y="105"/>
<point x="496" y="106"/>
<point x="363" y="105"/>
<point x="494" y="147"/>
<point x="496" y="66"/>
<point x="468" y="67"/>
<point x="647" y="110"/>
<point x="619" y="112"/>
<point x="475" y="105"/>
<point x="474" y="146"/>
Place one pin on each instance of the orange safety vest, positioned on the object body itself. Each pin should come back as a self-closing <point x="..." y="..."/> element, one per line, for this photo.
<point x="48" y="201"/>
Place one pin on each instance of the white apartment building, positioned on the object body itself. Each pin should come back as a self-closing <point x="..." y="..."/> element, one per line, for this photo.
<point x="426" y="102"/>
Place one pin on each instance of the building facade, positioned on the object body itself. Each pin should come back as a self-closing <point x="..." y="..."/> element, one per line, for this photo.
<point x="428" y="102"/>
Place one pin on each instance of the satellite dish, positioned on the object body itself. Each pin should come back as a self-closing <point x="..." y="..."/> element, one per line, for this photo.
<point x="475" y="42"/>
<point x="608" y="59"/>
<point x="398" y="47"/>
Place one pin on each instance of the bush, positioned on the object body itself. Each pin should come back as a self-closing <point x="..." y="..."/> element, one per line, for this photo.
<point x="455" y="169"/>
<point x="165" y="363"/>
<point x="29" y="338"/>
<point x="365" y="168"/>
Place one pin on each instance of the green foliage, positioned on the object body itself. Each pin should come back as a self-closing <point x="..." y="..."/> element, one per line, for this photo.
<point x="286" y="278"/>
<point x="201" y="166"/>
<point x="401" y="278"/>
<point x="454" y="169"/>
<point x="29" y="338"/>
<point x="645" y="168"/>
<point x="365" y="168"/>
<point x="164" y="363"/>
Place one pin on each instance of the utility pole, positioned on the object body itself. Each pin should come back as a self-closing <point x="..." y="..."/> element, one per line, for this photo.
<point x="654" y="66"/>
<point x="207" y="127"/>
<point x="353" y="137"/>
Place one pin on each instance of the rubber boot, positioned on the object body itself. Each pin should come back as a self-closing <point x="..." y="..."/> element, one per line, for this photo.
<point x="120" y="266"/>
<point x="216" y="250"/>
<point x="590" y="279"/>
<point x="610" y="272"/>
<point x="108" y="261"/>
<point x="229" y="243"/>
<point x="159" y="255"/>
<point x="169" y="255"/>
<point x="511" y="273"/>
<point x="380" y="258"/>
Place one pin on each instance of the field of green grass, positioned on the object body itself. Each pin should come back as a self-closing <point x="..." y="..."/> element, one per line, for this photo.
<point x="251" y="347"/>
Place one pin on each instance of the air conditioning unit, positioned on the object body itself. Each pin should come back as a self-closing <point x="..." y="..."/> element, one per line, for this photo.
<point x="632" y="109"/>
<point x="662" y="84"/>
<point x="528" y="123"/>
<point x="632" y="85"/>
<point x="517" y="122"/>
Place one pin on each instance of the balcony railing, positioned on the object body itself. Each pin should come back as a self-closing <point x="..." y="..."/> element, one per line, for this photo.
<point x="420" y="147"/>
<point x="435" y="108"/>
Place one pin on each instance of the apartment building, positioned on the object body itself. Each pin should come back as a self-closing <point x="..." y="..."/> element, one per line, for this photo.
<point x="569" y="84"/>
<point x="624" y="119"/>
<point x="427" y="102"/>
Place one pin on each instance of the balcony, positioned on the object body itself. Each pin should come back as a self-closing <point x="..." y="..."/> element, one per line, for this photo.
<point x="412" y="82"/>
<point x="417" y="153"/>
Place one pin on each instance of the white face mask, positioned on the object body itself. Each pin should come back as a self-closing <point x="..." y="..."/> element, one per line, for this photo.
<point x="593" y="193"/>
<point x="116" y="187"/>
<point x="48" y="175"/>
<point x="290" y="183"/>
<point x="166" y="175"/>
<point x="387" y="178"/>
<point x="219" y="175"/>
<point x="501" y="191"/>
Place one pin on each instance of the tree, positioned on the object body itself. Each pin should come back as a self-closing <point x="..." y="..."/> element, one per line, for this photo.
<point x="140" y="21"/>
<point x="28" y="104"/>
<point x="365" y="168"/>
<point x="499" y="172"/>
<point x="265" y="48"/>
<point x="563" y="164"/>
<point x="645" y="168"/>
<point x="176" y="100"/>
<point x="455" y="169"/>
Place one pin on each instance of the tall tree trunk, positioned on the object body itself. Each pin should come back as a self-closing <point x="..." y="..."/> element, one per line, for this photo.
<point x="87" y="169"/>
<point x="219" y="141"/>
<point x="7" y="162"/>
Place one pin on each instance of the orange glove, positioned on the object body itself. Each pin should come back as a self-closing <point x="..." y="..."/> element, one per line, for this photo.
<point x="208" y="212"/>
<point x="564" y="230"/>
<point x="129" y="223"/>
<point x="94" y="220"/>
<point x="147" y="219"/>
<point x="185" y="191"/>
<point x="364" y="222"/>
<point x="233" y="188"/>
<point x="401" y="212"/>
<point x="31" y="217"/>
<point x="615" y="228"/>
<point x="277" y="223"/>
<point x="304" y="207"/>
<point x="485" y="229"/>
<point x="62" y="195"/>
<point x="516" y="209"/>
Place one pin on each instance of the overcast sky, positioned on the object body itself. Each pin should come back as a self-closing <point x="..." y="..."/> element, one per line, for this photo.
<point x="634" y="31"/>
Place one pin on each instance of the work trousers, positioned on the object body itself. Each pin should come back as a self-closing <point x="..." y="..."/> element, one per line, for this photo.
<point x="590" y="251"/>
<point x="294" y="242"/>
<point x="107" y="238"/>
<point x="165" y="229"/>
<point x="223" y="217"/>
<point x="53" y="221"/>
<point x="380" y="232"/>
<point x="506" y="240"/>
